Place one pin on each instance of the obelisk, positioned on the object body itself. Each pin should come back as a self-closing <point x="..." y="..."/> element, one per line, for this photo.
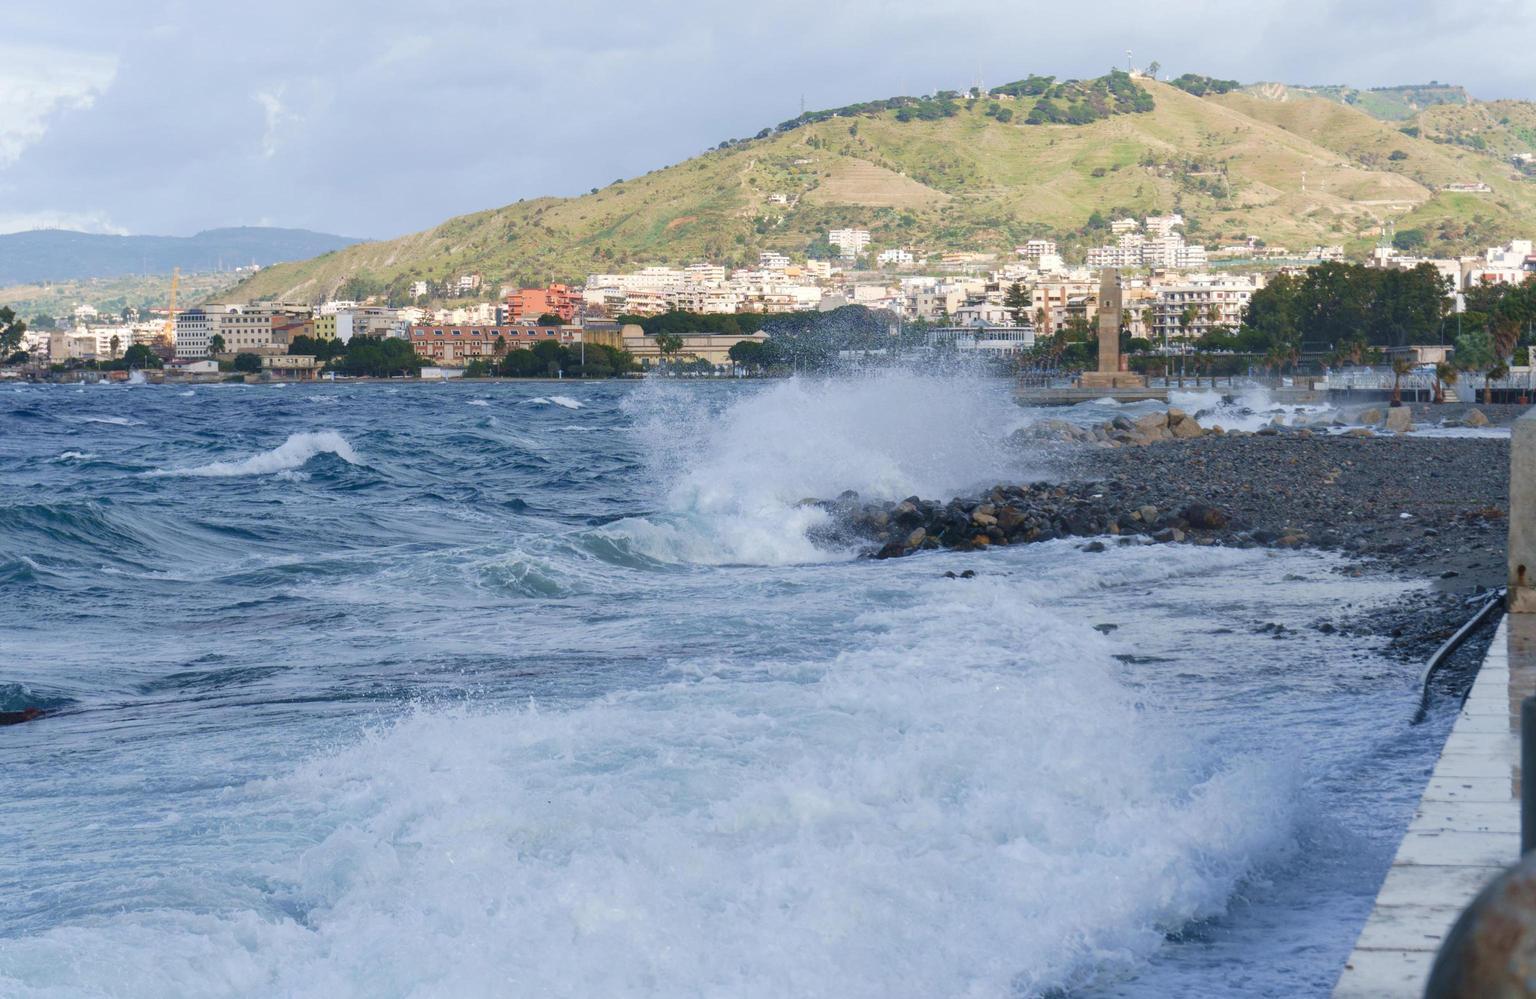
<point x="1111" y="307"/>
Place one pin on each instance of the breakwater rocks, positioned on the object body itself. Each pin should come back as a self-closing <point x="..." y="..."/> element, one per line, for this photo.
<point x="1042" y="511"/>
<point x="1174" y="424"/>
<point x="1431" y="507"/>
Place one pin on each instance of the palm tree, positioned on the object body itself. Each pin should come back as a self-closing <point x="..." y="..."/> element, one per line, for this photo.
<point x="1445" y="374"/>
<point x="1400" y="367"/>
<point x="1497" y="371"/>
<point x="115" y="343"/>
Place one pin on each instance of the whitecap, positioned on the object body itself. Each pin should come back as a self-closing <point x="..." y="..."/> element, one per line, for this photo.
<point x="291" y="454"/>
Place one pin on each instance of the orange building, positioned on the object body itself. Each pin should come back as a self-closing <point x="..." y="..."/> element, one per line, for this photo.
<point x="529" y="304"/>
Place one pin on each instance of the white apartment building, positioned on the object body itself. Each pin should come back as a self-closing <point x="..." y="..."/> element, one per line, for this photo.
<point x="468" y="284"/>
<point x="420" y="289"/>
<point x="704" y="273"/>
<point x="770" y="260"/>
<point x="851" y="242"/>
<point x="1037" y="248"/>
<point x="1163" y="225"/>
<point x="897" y="257"/>
<point x="1205" y="300"/>
<point x="371" y="321"/>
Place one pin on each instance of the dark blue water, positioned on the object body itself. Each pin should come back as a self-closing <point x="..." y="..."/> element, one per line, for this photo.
<point x="412" y="690"/>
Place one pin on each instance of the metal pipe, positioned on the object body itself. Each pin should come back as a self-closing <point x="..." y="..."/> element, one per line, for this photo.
<point x="1527" y="775"/>
<point x="1450" y="645"/>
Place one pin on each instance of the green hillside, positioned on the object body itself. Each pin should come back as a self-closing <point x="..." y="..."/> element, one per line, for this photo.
<point x="960" y="172"/>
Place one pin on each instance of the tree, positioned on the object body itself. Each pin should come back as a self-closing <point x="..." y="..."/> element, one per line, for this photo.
<point x="669" y="344"/>
<point x="11" y="331"/>
<point x="1153" y="68"/>
<point x="248" y="363"/>
<point x="1495" y="372"/>
<point x="1445" y="374"/>
<point x="550" y="319"/>
<point x="140" y="356"/>
<point x="1400" y="367"/>
<point x="114" y="345"/>
<point x="216" y="344"/>
<point x="749" y="353"/>
<point x="1017" y="302"/>
<point x="500" y="345"/>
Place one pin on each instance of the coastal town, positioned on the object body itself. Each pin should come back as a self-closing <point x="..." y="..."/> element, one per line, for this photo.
<point x="1174" y="294"/>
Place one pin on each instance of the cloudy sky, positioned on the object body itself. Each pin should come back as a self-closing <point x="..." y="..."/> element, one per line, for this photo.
<point x="379" y="117"/>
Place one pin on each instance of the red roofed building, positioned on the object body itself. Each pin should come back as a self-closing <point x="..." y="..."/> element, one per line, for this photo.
<point x="454" y="346"/>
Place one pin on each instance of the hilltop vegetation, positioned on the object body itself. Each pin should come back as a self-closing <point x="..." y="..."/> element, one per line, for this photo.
<point x="957" y="171"/>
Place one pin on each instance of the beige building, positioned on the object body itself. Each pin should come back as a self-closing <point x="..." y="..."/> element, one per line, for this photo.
<point x="712" y="347"/>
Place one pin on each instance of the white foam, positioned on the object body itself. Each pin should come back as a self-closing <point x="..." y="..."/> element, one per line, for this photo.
<point x="115" y="421"/>
<point x="291" y="454"/>
<point x="479" y="402"/>
<point x="966" y="801"/>
<point x="732" y="481"/>
<point x="75" y="456"/>
<point x="555" y="400"/>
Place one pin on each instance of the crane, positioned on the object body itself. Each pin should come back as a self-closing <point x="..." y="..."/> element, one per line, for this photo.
<point x="168" y="335"/>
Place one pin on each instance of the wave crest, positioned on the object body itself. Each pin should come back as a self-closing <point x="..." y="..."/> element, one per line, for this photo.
<point x="290" y="455"/>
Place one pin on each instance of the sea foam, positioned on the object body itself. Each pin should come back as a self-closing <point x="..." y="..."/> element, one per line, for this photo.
<point x="291" y="454"/>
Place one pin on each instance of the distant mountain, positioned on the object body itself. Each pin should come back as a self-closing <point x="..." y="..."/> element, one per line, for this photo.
<point x="1296" y="167"/>
<point x="62" y="255"/>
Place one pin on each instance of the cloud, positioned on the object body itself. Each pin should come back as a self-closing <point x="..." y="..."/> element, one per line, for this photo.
<point x="276" y="115"/>
<point x="387" y="116"/>
<point x="38" y="83"/>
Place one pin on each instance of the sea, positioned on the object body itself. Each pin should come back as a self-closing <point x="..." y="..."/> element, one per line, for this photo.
<point x="554" y="689"/>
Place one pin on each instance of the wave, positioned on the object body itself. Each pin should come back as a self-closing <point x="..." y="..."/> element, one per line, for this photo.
<point x="782" y="827"/>
<point x="479" y="402"/>
<point x="732" y="481"/>
<point x="555" y="400"/>
<point x="291" y="455"/>
<point x="75" y="456"/>
<point x="116" y="421"/>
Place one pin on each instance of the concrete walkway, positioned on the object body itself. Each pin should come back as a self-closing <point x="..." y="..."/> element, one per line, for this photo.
<point x="1464" y="832"/>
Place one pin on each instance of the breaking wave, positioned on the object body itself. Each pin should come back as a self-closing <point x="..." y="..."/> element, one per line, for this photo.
<point x="290" y="455"/>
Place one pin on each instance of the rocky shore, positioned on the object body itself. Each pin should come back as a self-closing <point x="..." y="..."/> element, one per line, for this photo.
<point x="1432" y="507"/>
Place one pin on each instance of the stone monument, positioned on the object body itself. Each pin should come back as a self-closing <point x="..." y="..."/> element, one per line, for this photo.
<point x="1112" y="372"/>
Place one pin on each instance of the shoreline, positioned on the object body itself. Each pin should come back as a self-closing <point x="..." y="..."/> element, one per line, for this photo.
<point x="1427" y="508"/>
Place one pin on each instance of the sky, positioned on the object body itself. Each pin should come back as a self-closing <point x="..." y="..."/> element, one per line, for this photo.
<point x="374" y="118"/>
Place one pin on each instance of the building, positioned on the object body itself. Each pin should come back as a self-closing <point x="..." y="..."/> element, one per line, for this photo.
<point x="712" y="347"/>
<point x="1037" y="248"/>
<point x="849" y="242"/>
<point x="771" y="260"/>
<point x="895" y="257"/>
<point x="999" y="339"/>
<point x="1188" y="309"/>
<point x="467" y="284"/>
<point x="371" y="320"/>
<point x="290" y="367"/>
<point x="529" y="304"/>
<point x="455" y="346"/>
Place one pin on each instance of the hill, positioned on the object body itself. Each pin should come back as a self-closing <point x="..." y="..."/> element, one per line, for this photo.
<point x="958" y="171"/>
<point x="61" y="255"/>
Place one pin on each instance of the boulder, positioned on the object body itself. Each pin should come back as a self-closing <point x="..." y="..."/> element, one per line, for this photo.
<point x="1153" y="424"/>
<point x="1148" y="514"/>
<point x="1185" y="428"/>
<point x="1176" y="416"/>
<point x="917" y="537"/>
<point x="1203" y="517"/>
<point x="1399" y="419"/>
<point x="1474" y="418"/>
<point x="1370" y="417"/>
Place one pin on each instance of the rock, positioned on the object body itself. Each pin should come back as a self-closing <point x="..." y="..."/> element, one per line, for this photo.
<point x="1270" y="431"/>
<point x="1370" y="417"/>
<point x="1399" y="419"/>
<point x="917" y="537"/>
<point x="983" y="519"/>
<point x="1474" y="418"/>
<point x="906" y="514"/>
<point x="1204" y="518"/>
<point x="1185" y="428"/>
<point x="1148" y="514"/>
<point x="1122" y="423"/>
<point x="1176" y="416"/>
<point x="1168" y="534"/>
<point x="1094" y="546"/>
<point x="893" y="550"/>
<point x="1359" y="432"/>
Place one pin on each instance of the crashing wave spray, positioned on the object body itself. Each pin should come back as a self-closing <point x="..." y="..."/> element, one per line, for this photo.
<point x="732" y="479"/>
